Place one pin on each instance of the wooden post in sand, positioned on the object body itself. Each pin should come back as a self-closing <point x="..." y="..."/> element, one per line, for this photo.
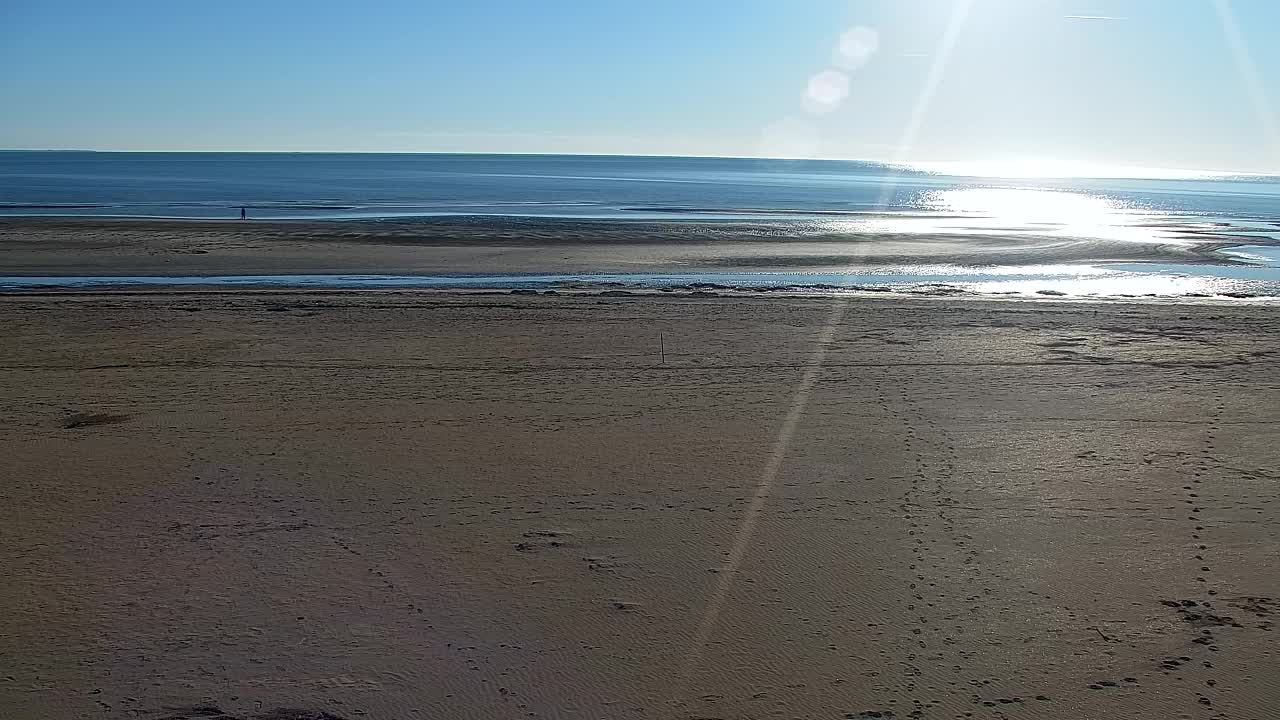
<point x="662" y="348"/>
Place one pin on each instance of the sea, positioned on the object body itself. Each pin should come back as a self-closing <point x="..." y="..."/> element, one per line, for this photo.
<point x="866" y="197"/>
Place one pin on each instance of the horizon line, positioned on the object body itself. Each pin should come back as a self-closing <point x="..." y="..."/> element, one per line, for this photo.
<point x="915" y="165"/>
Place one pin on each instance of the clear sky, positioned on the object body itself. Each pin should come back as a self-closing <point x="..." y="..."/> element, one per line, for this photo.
<point x="1151" y="83"/>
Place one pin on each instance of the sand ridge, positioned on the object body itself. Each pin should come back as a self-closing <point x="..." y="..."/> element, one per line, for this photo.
<point x="513" y="245"/>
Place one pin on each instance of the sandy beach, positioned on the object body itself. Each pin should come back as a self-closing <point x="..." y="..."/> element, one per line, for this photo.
<point x="413" y="505"/>
<point x="531" y="245"/>
<point x="865" y="360"/>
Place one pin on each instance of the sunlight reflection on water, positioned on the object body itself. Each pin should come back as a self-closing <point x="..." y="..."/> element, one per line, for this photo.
<point x="1026" y="212"/>
<point x="1113" y="280"/>
<point x="1050" y="212"/>
<point x="1115" y="285"/>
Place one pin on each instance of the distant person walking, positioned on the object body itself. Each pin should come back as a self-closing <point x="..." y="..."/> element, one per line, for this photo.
<point x="241" y="213"/>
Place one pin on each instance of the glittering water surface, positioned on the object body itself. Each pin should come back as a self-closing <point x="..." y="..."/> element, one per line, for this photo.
<point x="303" y="185"/>
<point x="922" y="210"/>
<point x="1260" y="279"/>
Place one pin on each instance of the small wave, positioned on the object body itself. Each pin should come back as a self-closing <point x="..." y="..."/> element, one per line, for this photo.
<point x="287" y="206"/>
<point x="778" y="212"/>
<point x="1126" y="284"/>
<point x="55" y="206"/>
<point x="530" y="176"/>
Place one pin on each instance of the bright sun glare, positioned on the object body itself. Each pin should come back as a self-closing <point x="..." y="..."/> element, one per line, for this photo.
<point x="1045" y="212"/>
<point x="1030" y="167"/>
<point x="1039" y="206"/>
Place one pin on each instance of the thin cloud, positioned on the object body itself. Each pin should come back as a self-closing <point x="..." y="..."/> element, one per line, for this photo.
<point x="1093" y="17"/>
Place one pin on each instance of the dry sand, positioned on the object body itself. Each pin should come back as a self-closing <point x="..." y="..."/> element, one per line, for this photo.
<point x="400" y="505"/>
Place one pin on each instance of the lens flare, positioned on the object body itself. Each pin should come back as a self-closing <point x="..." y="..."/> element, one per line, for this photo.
<point x="825" y="91"/>
<point x="856" y="47"/>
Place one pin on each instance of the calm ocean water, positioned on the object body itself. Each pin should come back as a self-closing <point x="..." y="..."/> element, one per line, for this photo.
<point x="215" y="185"/>
<point x="798" y="197"/>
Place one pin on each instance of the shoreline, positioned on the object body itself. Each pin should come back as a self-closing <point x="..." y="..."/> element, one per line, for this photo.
<point x="586" y="287"/>
<point x="758" y="256"/>
<point x="462" y="231"/>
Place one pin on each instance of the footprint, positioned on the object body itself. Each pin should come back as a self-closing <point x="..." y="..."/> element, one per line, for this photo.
<point x="82" y="420"/>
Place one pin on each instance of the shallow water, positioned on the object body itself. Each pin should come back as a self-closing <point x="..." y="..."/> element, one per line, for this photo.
<point x="1260" y="279"/>
<point x="1255" y="254"/>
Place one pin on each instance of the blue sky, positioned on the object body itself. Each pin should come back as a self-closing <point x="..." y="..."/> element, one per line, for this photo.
<point x="1151" y="83"/>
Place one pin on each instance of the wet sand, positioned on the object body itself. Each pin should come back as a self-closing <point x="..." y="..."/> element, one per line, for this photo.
<point x="405" y="505"/>
<point x="512" y="245"/>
